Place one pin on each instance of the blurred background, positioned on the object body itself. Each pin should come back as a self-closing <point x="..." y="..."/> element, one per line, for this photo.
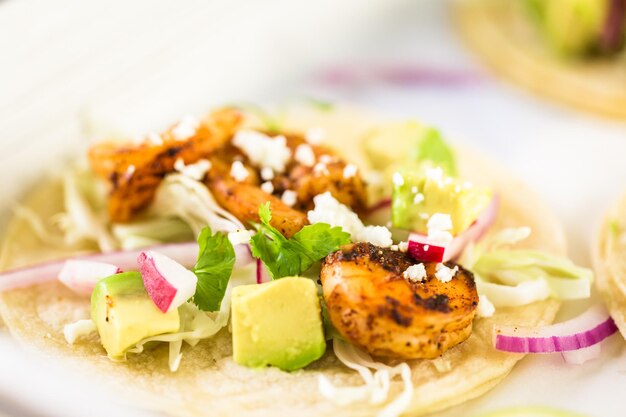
<point x="71" y="67"/>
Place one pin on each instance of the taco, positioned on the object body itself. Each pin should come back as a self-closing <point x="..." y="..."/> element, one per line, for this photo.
<point x="318" y="286"/>
<point x="610" y="263"/>
<point x="571" y="51"/>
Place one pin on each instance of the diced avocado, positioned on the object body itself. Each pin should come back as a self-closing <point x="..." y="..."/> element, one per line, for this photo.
<point x="404" y="145"/>
<point x="418" y="194"/>
<point x="391" y="143"/>
<point x="124" y="313"/>
<point x="278" y="323"/>
<point x="574" y="27"/>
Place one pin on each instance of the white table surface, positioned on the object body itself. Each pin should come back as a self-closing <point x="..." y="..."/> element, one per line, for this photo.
<point x="142" y="64"/>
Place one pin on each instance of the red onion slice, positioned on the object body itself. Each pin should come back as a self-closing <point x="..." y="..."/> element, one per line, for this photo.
<point x="243" y="255"/>
<point x="588" y="329"/>
<point x="421" y="249"/>
<point x="261" y="273"/>
<point x="82" y="276"/>
<point x="183" y="253"/>
<point x="580" y="356"/>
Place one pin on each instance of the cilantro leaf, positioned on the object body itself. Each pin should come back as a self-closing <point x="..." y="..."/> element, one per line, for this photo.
<point x="214" y="267"/>
<point x="431" y="147"/>
<point x="288" y="257"/>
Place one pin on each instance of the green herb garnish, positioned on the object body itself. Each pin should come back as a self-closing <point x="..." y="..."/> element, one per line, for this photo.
<point x="214" y="267"/>
<point x="291" y="257"/>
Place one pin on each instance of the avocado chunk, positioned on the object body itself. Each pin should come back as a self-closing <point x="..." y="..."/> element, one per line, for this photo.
<point x="124" y="313"/>
<point x="418" y="194"/>
<point x="278" y="323"/>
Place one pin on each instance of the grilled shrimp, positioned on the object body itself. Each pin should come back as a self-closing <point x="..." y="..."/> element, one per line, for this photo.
<point x="243" y="201"/>
<point x="373" y="306"/>
<point x="328" y="174"/>
<point x="134" y="171"/>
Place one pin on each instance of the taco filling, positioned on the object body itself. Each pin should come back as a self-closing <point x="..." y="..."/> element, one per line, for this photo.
<point x="236" y="245"/>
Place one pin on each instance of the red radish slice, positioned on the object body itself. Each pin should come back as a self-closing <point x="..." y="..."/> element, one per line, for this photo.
<point x="168" y="283"/>
<point x="422" y="248"/>
<point x="81" y="276"/>
<point x="588" y="329"/>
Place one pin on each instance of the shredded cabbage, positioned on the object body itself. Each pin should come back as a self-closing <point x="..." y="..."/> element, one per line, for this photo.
<point x="195" y="325"/>
<point x="515" y="277"/>
<point x="377" y="383"/>
<point x="37" y="225"/>
<point x="151" y="232"/>
<point x="192" y="202"/>
<point x="83" y="219"/>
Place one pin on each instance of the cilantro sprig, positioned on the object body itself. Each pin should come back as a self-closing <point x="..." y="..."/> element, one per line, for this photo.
<point x="216" y="259"/>
<point x="289" y="257"/>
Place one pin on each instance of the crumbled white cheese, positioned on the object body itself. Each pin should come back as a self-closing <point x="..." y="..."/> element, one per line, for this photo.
<point x="424" y="216"/>
<point x="267" y="173"/>
<point x="289" y="197"/>
<point x="457" y="188"/>
<point x="426" y="247"/>
<point x="75" y="330"/>
<point x="326" y="159"/>
<point x="267" y="187"/>
<point x="195" y="171"/>
<point x="350" y="171"/>
<point x="305" y="155"/>
<point x="321" y="169"/>
<point x="263" y="150"/>
<point x="130" y="171"/>
<point x="419" y="197"/>
<point x="154" y="138"/>
<point x="394" y="248"/>
<point x="186" y="128"/>
<point x="439" y="221"/>
<point x="403" y="246"/>
<point x="376" y="235"/>
<point x="445" y="274"/>
<point x="438" y="226"/>
<point x="329" y="210"/>
<point x="435" y="174"/>
<point x="315" y="135"/>
<point x="415" y="273"/>
<point x="414" y="189"/>
<point x="238" y="171"/>
<point x="397" y="179"/>
<point x="239" y="236"/>
<point x="485" y="307"/>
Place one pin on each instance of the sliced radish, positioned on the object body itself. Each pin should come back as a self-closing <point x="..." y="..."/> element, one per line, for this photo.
<point x="588" y="329"/>
<point x="168" y="283"/>
<point x="423" y="248"/>
<point x="81" y="276"/>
